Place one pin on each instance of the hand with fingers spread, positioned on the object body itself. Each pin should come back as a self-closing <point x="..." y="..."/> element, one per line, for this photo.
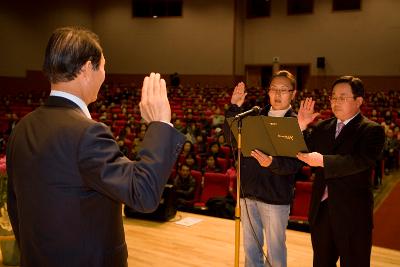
<point x="154" y="104"/>
<point x="239" y="94"/>
<point x="306" y="113"/>
<point x="263" y="159"/>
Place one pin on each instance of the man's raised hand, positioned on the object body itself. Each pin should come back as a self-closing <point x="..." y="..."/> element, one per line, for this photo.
<point x="154" y="104"/>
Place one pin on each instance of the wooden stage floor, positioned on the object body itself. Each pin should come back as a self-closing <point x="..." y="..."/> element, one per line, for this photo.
<point x="211" y="243"/>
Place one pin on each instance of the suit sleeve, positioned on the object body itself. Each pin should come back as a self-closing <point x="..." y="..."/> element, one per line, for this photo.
<point x="285" y="165"/>
<point x="138" y="184"/>
<point x="369" y="148"/>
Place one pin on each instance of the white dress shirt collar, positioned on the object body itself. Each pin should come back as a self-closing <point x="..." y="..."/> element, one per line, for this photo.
<point x="73" y="98"/>
<point x="348" y="120"/>
<point x="278" y="113"/>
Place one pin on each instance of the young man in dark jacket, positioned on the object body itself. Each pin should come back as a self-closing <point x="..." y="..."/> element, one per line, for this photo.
<point x="267" y="183"/>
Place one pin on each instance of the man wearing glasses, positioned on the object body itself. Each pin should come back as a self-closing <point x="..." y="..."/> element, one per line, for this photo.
<point x="267" y="183"/>
<point x="344" y="151"/>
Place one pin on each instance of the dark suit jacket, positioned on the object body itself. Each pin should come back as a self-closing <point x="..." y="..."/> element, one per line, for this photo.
<point x="67" y="180"/>
<point x="348" y="163"/>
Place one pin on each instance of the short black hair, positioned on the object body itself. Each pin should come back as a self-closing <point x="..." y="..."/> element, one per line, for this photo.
<point x="184" y="165"/>
<point x="286" y="74"/>
<point x="68" y="49"/>
<point x="357" y="86"/>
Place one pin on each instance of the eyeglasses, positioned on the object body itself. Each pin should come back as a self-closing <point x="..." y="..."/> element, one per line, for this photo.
<point x="276" y="91"/>
<point x="339" y="99"/>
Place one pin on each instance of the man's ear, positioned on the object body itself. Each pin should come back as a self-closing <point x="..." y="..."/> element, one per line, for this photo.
<point x="294" y="94"/>
<point x="359" y="101"/>
<point x="85" y="70"/>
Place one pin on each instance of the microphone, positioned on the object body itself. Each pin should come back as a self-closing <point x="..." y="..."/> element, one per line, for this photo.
<point x="256" y="110"/>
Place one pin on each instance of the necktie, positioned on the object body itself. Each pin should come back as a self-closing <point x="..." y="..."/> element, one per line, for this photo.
<point x="339" y="127"/>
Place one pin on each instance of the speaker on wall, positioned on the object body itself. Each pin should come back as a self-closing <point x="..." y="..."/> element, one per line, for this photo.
<point x="320" y="62"/>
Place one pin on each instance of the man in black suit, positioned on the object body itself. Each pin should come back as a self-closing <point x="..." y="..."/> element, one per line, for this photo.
<point x="67" y="176"/>
<point x="344" y="150"/>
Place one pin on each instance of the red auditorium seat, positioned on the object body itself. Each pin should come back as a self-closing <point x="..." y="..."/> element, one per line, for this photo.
<point x="306" y="171"/>
<point x="208" y="113"/>
<point x="22" y="111"/>
<point x="366" y="109"/>
<point x="210" y="140"/>
<point x="301" y="202"/>
<point x="119" y="122"/>
<point x="199" y="185"/>
<point x="116" y="130"/>
<point x="95" y="116"/>
<point x="181" y="159"/>
<point x="128" y="143"/>
<point x="215" y="185"/>
<point x="233" y="185"/>
<point x="130" y="136"/>
<point x="121" y="116"/>
<point x="227" y="151"/>
<point x="4" y="125"/>
<point x="223" y="164"/>
<point x="116" y="110"/>
<point x="199" y="161"/>
<point x="178" y="112"/>
<point x="328" y="113"/>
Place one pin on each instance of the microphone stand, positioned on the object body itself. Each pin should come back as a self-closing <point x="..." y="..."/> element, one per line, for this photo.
<point x="237" y="208"/>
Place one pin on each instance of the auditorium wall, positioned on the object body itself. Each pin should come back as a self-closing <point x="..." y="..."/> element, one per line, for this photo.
<point x="364" y="42"/>
<point x="213" y="40"/>
<point x="25" y="27"/>
<point x="198" y="43"/>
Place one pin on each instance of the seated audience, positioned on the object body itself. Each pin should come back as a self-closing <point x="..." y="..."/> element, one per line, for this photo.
<point x="185" y="185"/>
<point x="232" y="173"/>
<point x="187" y="149"/>
<point x="123" y="148"/>
<point x="214" y="149"/>
<point x="211" y="164"/>
<point x="190" y="132"/>
<point x="390" y="151"/>
<point x="217" y="118"/>
<point x="178" y="125"/>
<point x="201" y="146"/>
<point x="191" y="161"/>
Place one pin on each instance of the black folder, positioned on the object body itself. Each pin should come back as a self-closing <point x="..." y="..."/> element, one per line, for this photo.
<point x="275" y="136"/>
